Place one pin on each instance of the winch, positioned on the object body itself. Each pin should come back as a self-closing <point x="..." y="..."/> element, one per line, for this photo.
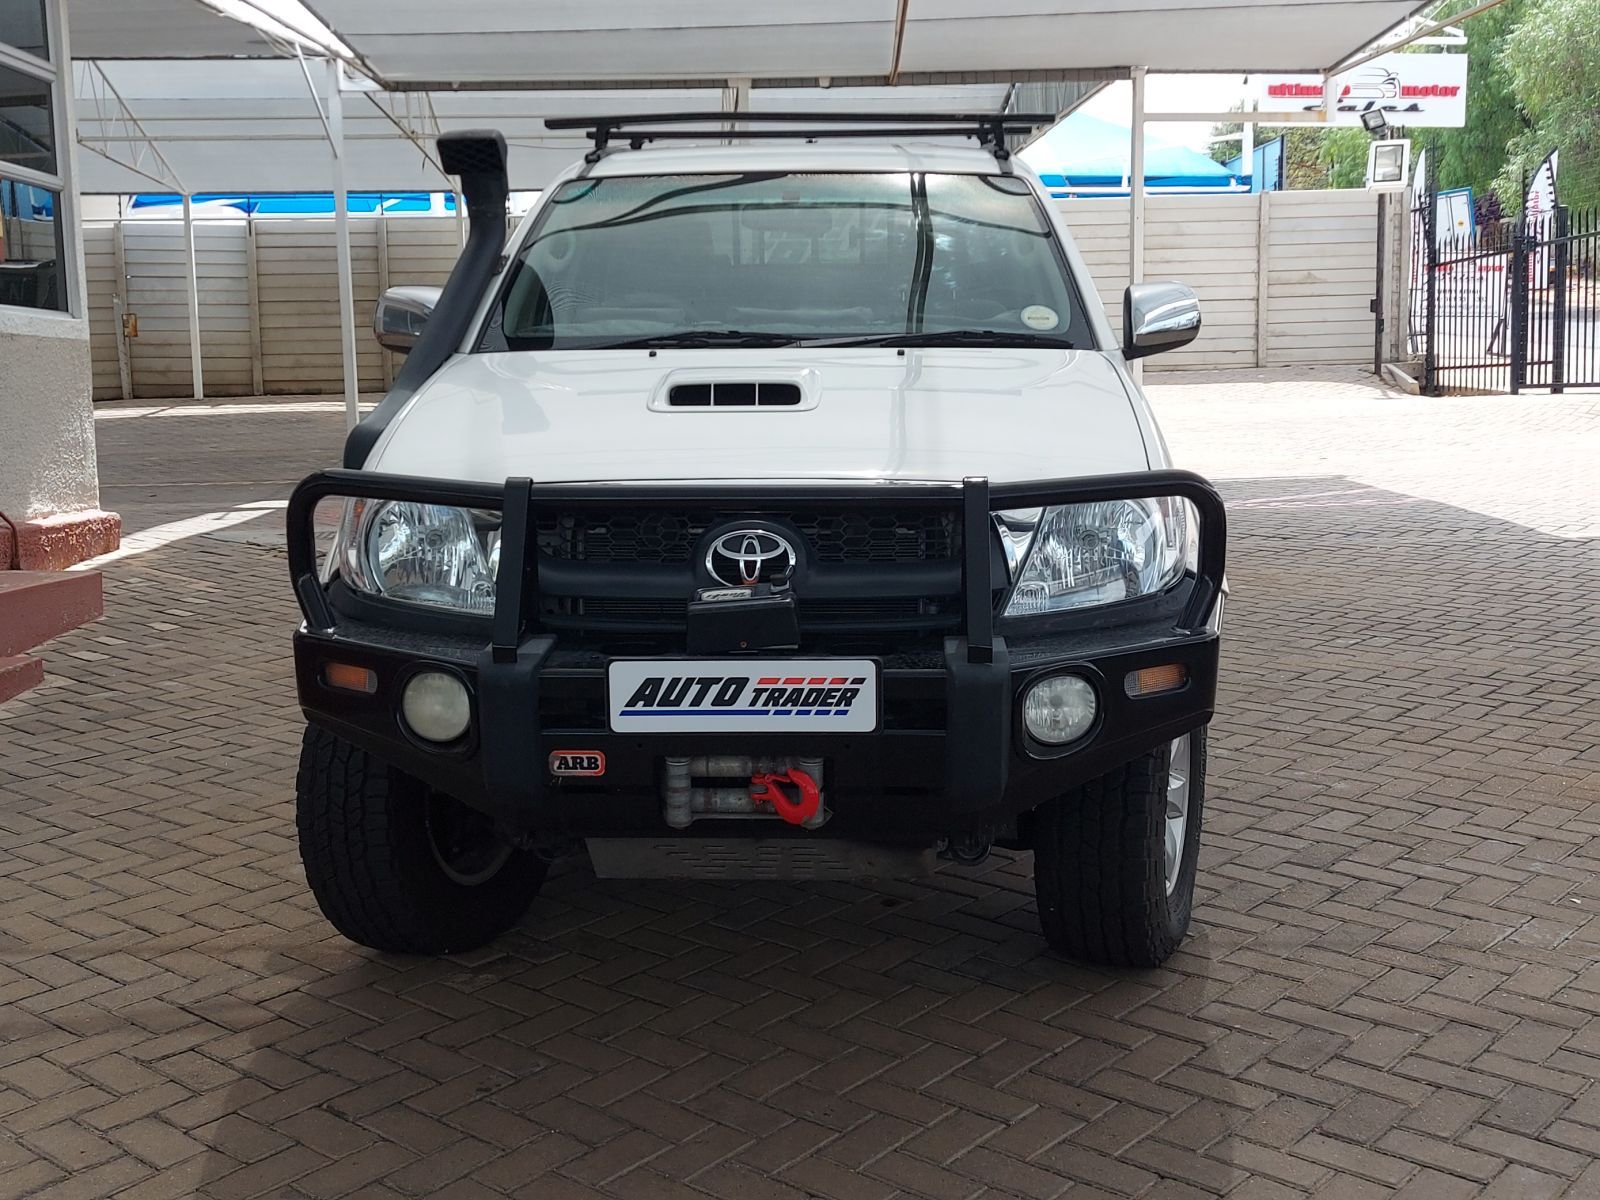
<point x="743" y="787"/>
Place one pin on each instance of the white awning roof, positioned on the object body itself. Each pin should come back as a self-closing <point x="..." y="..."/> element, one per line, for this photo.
<point x="508" y="64"/>
<point x="430" y="44"/>
<point x="253" y="126"/>
<point x="244" y="129"/>
<point x="160" y="29"/>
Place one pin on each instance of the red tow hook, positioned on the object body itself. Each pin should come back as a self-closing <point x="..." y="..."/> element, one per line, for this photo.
<point x="796" y="812"/>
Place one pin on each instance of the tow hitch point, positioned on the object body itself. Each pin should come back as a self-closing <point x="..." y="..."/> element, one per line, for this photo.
<point x="765" y="789"/>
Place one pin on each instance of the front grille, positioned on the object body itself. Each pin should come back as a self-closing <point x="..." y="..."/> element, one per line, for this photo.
<point x="670" y="612"/>
<point x="628" y="573"/>
<point x="831" y="537"/>
<point x="871" y="537"/>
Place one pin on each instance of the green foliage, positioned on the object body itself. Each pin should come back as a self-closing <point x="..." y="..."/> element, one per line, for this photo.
<point x="1533" y="84"/>
<point x="1224" y="150"/>
<point x="1473" y="155"/>
<point x="1312" y="158"/>
<point x="1303" y="165"/>
<point x="1343" y="152"/>
<point x="1552" y="56"/>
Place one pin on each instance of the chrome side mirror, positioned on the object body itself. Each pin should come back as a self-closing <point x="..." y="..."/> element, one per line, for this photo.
<point x="401" y="313"/>
<point x="1157" y="317"/>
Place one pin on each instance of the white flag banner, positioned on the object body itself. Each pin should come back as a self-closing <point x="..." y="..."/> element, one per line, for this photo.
<point x="1540" y="201"/>
<point x="1538" y="212"/>
<point x="1419" y="178"/>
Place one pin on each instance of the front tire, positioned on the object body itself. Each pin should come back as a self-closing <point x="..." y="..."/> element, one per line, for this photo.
<point x="397" y="866"/>
<point x="1114" y="861"/>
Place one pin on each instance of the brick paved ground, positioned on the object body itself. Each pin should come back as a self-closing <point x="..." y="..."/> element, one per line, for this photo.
<point x="1391" y="989"/>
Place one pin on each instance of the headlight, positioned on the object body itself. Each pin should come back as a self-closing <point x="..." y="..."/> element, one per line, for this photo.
<point x="421" y="553"/>
<point x="1084" y="555"/>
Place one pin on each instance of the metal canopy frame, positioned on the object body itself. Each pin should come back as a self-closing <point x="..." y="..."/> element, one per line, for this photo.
<point x="907" y="62"/>
<point x="421" y="45"/>
<point x="417" y="45"/>
<point x="122" y="138"/>
<point x="254" y="125"/>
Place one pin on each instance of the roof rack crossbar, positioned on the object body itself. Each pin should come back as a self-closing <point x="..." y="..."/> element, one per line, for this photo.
<point x="988" y="128"/>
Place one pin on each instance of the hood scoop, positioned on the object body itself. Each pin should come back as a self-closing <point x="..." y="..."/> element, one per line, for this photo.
<point x="732" y="394"/>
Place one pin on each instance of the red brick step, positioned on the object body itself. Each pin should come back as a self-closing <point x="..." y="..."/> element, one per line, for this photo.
<point x="36" y="606"/>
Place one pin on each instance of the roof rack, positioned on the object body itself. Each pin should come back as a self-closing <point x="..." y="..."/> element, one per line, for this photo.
<point x="636" y="129"/>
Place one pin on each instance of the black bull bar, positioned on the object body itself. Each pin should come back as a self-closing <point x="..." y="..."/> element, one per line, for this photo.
<point x="980" y="684"/>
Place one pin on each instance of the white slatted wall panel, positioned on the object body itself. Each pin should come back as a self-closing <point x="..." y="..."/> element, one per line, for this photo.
<point x="30" y="239"/>
<point x="155" y="258"/>
<point x="100" y="269"/>
<point x="298" y="284"/>
<point x="421" y="250"/>
<point x="1208" y="242"/>
<point x="1322" y="274"/>
<point x="1318" y="273"/>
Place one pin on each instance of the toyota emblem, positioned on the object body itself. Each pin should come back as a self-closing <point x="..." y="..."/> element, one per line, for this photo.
<point x="743" y="557"/>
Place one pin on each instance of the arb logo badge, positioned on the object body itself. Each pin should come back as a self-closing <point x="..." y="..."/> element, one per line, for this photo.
<point x="577" y="762"/>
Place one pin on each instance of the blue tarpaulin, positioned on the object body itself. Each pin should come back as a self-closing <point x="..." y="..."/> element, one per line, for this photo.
<point x="1084" y="152"/>
<point x="29" y="203"/>
<point x="303" y="204"/>
<point x="1267" y="175"/>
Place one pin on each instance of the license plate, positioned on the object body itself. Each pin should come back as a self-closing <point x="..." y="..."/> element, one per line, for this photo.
<point x="802" y="695"/>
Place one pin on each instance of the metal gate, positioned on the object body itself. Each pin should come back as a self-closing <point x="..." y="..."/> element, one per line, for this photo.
<point x="1511" y="305"/>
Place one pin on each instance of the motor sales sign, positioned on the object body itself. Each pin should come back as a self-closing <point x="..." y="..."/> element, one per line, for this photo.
<point x="1412" y="89"/>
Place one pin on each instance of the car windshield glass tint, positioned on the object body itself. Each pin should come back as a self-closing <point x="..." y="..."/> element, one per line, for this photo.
<point x="759" y="260"/>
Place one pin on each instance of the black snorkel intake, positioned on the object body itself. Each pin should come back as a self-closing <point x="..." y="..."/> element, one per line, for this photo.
<point x="478" y="156"/>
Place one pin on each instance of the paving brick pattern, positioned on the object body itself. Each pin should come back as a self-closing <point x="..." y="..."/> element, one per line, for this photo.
<point x="1391" y="989"/>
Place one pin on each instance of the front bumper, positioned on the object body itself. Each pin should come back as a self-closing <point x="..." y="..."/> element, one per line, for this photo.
<point x="951" y="756"/>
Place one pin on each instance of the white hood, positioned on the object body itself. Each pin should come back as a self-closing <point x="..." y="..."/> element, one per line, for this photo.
<point x="867" y="414"/>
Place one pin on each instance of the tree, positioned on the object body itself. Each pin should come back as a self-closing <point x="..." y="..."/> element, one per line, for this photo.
<point x="1533" y="85"/>
<point x="1473" y="155"/>
<point x="1304" y="167"/>
<point x="1552" y="57"/>
<point x="1312" y="158"/>
<point x="1344" y="152"/>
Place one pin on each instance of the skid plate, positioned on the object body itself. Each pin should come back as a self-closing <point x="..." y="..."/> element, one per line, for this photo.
<point x="754" y="858"/>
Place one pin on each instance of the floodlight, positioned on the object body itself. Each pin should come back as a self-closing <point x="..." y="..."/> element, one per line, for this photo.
<point x="1387" y="164"/>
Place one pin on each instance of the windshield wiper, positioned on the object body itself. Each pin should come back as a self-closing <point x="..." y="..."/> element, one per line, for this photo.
<point x="699" y="337"/>
<point x="952" y="337"/>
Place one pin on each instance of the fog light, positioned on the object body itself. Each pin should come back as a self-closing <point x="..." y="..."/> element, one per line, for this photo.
<point x="1059" y="710"/>
<point x="436" y="706"/>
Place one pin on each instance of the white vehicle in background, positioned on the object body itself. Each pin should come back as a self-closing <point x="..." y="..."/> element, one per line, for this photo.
<point x="781" y="509"/>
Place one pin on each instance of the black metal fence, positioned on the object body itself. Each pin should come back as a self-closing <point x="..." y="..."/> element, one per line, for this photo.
<point x="1513" y="304"/>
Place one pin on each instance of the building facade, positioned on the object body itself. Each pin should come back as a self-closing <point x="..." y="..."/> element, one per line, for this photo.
<point x="50" y="514"/>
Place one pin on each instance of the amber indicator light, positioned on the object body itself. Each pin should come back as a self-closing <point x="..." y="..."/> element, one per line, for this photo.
<point x="1152" y="681"/>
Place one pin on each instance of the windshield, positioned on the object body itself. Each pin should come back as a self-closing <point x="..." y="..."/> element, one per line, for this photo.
<point x="777" y="259"/>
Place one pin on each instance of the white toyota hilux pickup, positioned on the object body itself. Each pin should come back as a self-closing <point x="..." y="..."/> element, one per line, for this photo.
<point x="781" y="509"/>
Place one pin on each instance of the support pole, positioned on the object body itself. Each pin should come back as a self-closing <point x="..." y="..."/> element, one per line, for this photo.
<point x="192" y="279"/>
<point x="1136" y="192"/>
<point x="736" y="98"/>
<point x="119" y="300"/>
<point x="1263" y="276"/>
<point x="1379" y="284"/>
<point x="252" y="283"/>
<point x="341" y="234"/>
